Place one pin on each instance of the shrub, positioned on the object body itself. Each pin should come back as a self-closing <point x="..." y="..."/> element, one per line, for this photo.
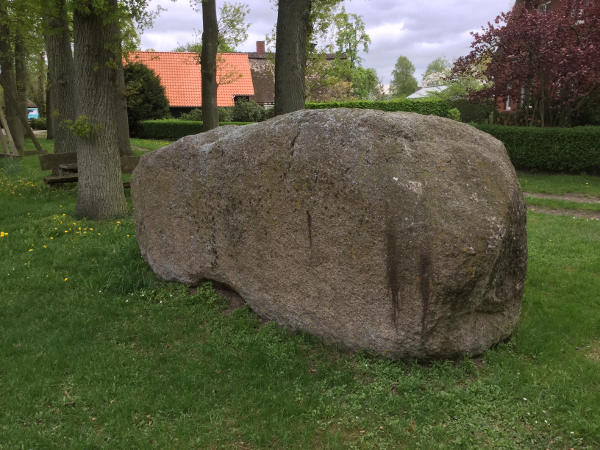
<point x="146" y="97"/>
<point x="172" y="128"/>
<point x="550" y="149"/>
<point x="422" y="106"/>
<point x="38" y="124"/>
<point x="454" y="114"/>
<point x="194" y="115"/>
<point x="247" y="111"/>
<point x="473" y="111"/>
<point x="225" y="114"/>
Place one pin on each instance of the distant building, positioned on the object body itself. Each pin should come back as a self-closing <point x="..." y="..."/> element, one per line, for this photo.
<point x="262" y="68"/>
<point x="181" y="76"/>
<point x="427" y="91"/>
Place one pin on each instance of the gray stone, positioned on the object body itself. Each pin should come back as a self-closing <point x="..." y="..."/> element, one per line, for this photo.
<point x="397" y="233"/>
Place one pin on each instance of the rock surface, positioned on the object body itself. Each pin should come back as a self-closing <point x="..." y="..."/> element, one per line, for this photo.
<point x="397" y="233"/>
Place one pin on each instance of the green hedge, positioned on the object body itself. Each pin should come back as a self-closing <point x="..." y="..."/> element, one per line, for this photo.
<point x="172" y="128"/>
<point x="422" y="106"/>
<point x="478" y="112"/>
<point x="550" y="149"/>
<point x="38" y="124"/>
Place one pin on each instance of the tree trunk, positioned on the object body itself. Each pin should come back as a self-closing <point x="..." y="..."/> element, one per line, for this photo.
<point x="21" y="70"/>
<point x="208" y="60"/>
<point x="49" y="118"/>
<point x="60" y="76"/>
<point x="100" y="192"/>
<point x="122" y="118"/>
<point x="40" y="89"/>
<point x="293" y="22"/>
<point x="8" y="81"/>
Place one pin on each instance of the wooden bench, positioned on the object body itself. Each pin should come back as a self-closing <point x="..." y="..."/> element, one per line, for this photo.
<point x="64" y="165"/>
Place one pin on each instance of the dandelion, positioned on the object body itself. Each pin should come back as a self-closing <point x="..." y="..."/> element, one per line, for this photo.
<point x="118" y="223"/>
<point x="30" y="250"/>
<point x="127" y="235"/>
<point x="51" y="238"/>
<point x="91" y="229"/>
<point x="3" y="234"/>
<point x="44" y="246"/>
<point x="66" y="279"/>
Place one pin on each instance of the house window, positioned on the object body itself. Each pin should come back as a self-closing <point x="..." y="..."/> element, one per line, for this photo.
<point x="241" y="98"/>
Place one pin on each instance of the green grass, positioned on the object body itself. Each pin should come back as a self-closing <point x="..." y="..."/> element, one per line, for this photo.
<point x="148" y="144"/>
<point x="97" y="352"/>
<point x="560" y="184"/>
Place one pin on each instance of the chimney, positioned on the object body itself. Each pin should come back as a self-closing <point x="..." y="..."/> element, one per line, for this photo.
<point x="260" y="47"/>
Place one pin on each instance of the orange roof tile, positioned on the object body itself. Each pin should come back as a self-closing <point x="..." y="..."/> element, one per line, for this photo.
<point x="180" y="74"/>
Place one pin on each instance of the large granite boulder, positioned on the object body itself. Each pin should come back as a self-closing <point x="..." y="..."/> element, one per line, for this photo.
<point x="397" y="233"/>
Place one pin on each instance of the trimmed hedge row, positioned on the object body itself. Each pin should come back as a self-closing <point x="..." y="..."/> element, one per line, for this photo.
<point x="550" y="149"/>
<point x="422" y="106"/>
<point x="172" y="128"/>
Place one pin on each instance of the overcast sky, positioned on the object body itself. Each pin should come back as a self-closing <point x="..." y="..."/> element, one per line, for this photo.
<point x="421" y="30"/>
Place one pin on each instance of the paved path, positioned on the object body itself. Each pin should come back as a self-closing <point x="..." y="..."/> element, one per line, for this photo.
<point x="568" y="197"/>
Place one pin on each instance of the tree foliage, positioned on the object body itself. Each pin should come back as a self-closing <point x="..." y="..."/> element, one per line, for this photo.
<point x="350" y="36"/>
<point x="232" y="25"/>
<point x="146" y="97"/>
<point x="403" y="81"/>
<point x="436" y="66"/>
<point x="548" y="63"/>
<point x="233" y="28"/>
<point x="343" y="77"/>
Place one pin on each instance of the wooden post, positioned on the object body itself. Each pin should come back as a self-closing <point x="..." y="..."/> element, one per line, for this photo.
<point x="9" y="145"/>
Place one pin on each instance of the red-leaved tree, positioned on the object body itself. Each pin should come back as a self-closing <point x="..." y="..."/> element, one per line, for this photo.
<point x="547" y="62"/>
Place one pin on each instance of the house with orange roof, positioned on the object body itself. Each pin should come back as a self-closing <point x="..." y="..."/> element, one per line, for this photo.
<point x="180" y="74"/>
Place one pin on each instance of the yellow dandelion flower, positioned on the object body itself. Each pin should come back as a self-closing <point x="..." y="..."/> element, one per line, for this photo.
<point x="51" y="238"/>
<point x="30" y="250"/>
<point x="91" y="229"/>
<point x="66" y="279"/>
<point x="45" y="246"/>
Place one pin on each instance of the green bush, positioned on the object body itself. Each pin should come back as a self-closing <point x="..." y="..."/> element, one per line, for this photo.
<point x="194" y="115"/>
<point x="38" y="124"/>
<point x="550" y="149"/>
<point x="247" y="111"/>
<point x="473" y="112"/>
<point x="172" y="128"/>
<point x="454" y="114"/>
<point x="422" y="106"/>
<point x="225" y="114"/>
<point x="146" y="97"/>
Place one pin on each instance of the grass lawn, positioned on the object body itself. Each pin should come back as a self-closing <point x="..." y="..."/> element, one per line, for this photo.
<point x="588" y="185"/>
<point x="95" y="351"/>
